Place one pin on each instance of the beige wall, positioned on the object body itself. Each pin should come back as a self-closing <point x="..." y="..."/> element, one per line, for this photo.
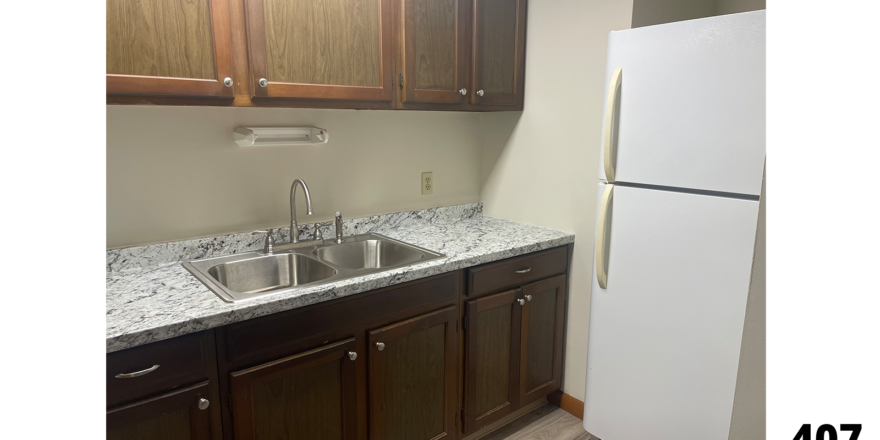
<point x="749" y="418"/>
<point x="540" y="166"/>
<point x="175" y="172"/>
<point x="651" y="12"/>
<point x="723" y="7"/>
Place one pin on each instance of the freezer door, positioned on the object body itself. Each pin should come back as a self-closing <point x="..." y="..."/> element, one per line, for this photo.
<point x="690" y="110"/>
<point x="665" y="334"/>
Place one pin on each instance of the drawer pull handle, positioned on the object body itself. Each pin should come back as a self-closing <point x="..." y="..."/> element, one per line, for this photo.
<point x="526" y="270"/>
<point x="137" y="373"/>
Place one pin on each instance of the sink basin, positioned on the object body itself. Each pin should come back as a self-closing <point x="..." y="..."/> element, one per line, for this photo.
<point x="270" y="272"/>
<point x="369" y="254"/>
<point x="255" y="274"/>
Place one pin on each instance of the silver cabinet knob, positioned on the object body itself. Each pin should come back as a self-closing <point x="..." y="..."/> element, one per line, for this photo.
<point x="479" y="93"/>
<point x="528" y="297"/>
<point x="380" y="346"/>
<point x="203" y="403"/>
<point x="521" y="302"/>
<point x="227" y="82"/>
<point x="463" y="91"/>
<point x="352" y="355"/>
<point x="263" y="82"/>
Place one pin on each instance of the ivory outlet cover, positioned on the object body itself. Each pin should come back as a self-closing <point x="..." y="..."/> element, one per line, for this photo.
<point x="427" y="183"/>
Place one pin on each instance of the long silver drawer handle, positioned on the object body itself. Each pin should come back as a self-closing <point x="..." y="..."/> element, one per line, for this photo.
<point x="526" y="270"/>
<point x="137" y="373"/>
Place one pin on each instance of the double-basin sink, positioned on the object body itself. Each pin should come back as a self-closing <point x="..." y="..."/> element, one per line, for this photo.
<point x="255" y="274"/>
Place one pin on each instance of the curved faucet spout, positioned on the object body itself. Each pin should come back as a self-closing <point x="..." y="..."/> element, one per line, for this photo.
<point x="294" y="231"/>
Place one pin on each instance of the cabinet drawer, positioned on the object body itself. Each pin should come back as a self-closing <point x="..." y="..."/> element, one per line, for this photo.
<point x="516" y="271"/>
<point x="133" y="374"/>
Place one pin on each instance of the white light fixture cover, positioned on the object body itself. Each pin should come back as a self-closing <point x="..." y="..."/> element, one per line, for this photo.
<point x="259" y="136"/>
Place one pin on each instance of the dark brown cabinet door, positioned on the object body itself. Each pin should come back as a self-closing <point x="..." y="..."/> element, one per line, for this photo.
<point x="412" y="378"/>
<point x="311" y="395"/>
<point x="187" y="414"/>
<point x="491" y="359"/>
<point x="541" y="333"/>
<point x="338" y="49"/>
<point x="498" y="52"/>
<point x="169" y="47"/>
<point x="434" y="51"/>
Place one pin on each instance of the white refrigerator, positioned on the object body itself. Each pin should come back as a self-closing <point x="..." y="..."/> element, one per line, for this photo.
<point x="680" y="179"/>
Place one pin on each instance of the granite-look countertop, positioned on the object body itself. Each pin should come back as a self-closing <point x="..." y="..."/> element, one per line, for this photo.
<point x="156" y="299"/>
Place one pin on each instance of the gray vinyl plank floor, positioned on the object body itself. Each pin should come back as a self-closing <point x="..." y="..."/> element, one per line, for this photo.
<point x="545" y="423"/>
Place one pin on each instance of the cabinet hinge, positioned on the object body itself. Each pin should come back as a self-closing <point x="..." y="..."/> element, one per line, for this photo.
<point x="401" y="79"/>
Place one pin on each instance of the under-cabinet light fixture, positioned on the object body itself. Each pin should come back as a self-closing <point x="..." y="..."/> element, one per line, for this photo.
<point x="268" y="136"/>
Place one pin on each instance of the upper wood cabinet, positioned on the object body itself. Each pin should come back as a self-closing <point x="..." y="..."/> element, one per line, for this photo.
<point x="338" y="50"/>
<point x="434" y="51"/>
<point x="499" y="52"/>
<point x="169" y="47"/>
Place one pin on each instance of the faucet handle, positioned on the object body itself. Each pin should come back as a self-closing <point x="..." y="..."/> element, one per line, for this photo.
<point x="318" y="225"/>
<point x="269" y="244"/>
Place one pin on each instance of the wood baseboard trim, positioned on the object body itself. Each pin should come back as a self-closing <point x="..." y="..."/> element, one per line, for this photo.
<point x="568" y="403"/>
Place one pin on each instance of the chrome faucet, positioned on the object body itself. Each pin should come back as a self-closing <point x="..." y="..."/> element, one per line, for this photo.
<point x="294" y="231"/>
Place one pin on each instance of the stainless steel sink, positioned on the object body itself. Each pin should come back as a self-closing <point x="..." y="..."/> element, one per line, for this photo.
<point x="255" y="274"/>
<point x="369" y="254"/>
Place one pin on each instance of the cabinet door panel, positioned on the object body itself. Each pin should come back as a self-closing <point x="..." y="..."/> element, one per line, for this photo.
<point x="413" y="378"/>
<point x="499" y="49"/>
<point x="168" y="47"/>
<point x="306" y="396"/>
<point x="173" y="416"/>
<point x="434" y="50"/>
<point x="330" y="49"/>
<point x="541" y="360"/>
<point x="492" y="359"/>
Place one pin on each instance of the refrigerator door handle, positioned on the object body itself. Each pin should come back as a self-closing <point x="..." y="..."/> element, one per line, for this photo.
<point x="601" y="249"/>
<point x="610" y="107"/>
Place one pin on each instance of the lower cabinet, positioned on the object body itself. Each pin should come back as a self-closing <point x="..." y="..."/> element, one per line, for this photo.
<point x="413" y="379"/>
<point x="513" y="351"/>
<point x="311" y="395"/>
<point x="385" y="365"/>
<point x="180" y="415"/>
<point x="543" y="315"/>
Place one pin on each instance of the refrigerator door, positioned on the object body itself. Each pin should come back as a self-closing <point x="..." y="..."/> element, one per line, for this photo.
<point x="665" y="334"/>
<point x="690" y="111"/>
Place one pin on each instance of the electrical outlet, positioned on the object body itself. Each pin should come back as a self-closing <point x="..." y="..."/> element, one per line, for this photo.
<point x="427" y="183"/>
